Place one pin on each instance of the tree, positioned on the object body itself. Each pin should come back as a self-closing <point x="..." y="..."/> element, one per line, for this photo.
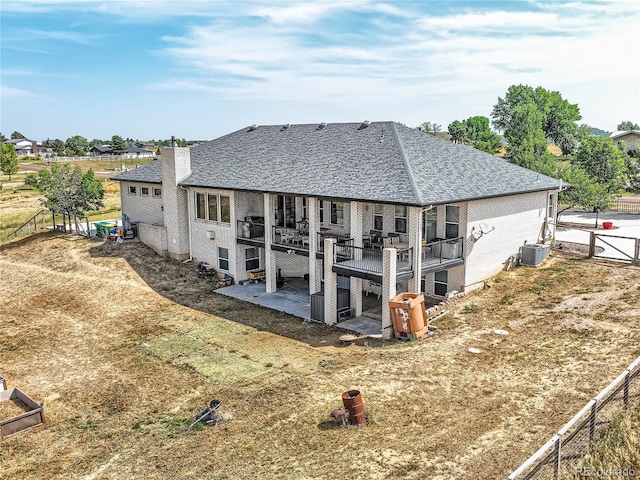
<point x="58" y="147"/>
<point x="457" y="131"/>
<point x="527" y="145"/>
<point x="2" y="138"/>
<point x="627" y="125"/>
<point x="480" y="135"/>
<point x="77" y="145"/>
<point x="69" y="191"/>
<point x="428" y="127"/>
<point x="559" y="117"/>
<point x="118" y="147"/>
<point x="17" y="135"/>
<point x="603" y="162"/>
<point x="9" y="159"/>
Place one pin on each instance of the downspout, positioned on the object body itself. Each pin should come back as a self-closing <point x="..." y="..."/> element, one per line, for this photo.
<point x="189" y="220"/>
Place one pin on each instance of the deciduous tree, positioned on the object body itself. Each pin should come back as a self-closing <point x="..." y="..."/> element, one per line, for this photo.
<point x="627" y="125"/>
<point x="67" y="190"/>
<point x="58" y="147"/>
<point x="76" y="145"/>
<point x="603" y="162"/>
<point x="559" y="117"/>
<point x="9" y="159"/>
<point x="457" y="131"/>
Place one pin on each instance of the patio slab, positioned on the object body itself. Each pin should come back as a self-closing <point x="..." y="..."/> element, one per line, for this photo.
<point x="293" y="299"/>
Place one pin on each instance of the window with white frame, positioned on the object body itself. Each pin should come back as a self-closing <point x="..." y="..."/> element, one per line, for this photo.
<point x="144" y="191"/>
<point x="133" y="190"/>
<point x="201" y="206"/>
<point x="213" y="207"/>
<point x="157" y="192"/>
<point x="440" y="283"/>
<point x="550" y="209"/>
<point x="252" y="257"/>
<point x="337" y="213"/>
<point x="378" y="211"/>
<point x="223" y="258"/>
<point x="225" y="209"/>
<point x="400" y="219"/>
<point x="452" y="222"/>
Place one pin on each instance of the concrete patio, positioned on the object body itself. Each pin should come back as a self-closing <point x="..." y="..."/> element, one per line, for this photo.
<point x="293" y="299"/>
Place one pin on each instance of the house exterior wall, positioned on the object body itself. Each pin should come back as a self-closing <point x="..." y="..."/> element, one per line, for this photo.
<point x="205" y="249"/>
<point x="141" y="208"/>
<point x="516" y="219"/>
<point x="154" y="236"/>
<point x="632" y="140"/>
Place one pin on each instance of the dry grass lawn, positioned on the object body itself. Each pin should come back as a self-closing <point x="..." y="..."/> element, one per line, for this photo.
<point x="123" y="347"/>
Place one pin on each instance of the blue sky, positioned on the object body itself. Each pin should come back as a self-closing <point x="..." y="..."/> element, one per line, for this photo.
<point x="199" y="69"/>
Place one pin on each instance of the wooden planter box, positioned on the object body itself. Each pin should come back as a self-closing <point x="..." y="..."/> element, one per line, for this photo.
<point x="32" y="416"/>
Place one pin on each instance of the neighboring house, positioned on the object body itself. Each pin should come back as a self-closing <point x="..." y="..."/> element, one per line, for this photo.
<point x="100" y="150"/>
<point x="303" y="200"/>
<point x="631" y="138"/>
<point x="24" y="146"/>
<point x="138" y="152"/>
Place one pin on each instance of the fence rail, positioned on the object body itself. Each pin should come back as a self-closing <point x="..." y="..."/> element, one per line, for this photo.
<point x="560" y="457"/>
<point x="626" y="205"/>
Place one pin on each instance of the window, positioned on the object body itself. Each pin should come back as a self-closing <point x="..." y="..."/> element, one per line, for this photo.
<point x="430" y="222"/>
<point x="550" y="212"/>
<point x="201" y="206"/>
<point x="213" y="208"/>
<point x="337" y="213"/>
<point x="157" y="192"/>
<point x="225" y="209"/>
<point x="378" y="216"/>
<point x="133" y="190"/>
<point x="452" y="225"/>
<point x="440" y="280"/>
<point x="144" y="191"/>
<point x="252" y="256"/>
<point x="400" y="219"/>
<point x="304" y="209"/>
<point x="285" y="211"/>
<point x="321" y="211"/>
<point x="223" y="258"/>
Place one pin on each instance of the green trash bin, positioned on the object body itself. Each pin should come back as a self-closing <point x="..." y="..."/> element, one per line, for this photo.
<point x="103" y="228"/>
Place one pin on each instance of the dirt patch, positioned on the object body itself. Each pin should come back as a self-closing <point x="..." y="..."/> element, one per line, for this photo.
<point x="128" y="346"/>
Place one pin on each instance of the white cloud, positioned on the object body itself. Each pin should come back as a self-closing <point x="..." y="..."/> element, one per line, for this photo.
<point x="8" y="93"/>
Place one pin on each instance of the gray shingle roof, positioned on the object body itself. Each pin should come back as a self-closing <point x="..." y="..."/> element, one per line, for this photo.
<point x="383" y="162"/>
<point x="150" y="173"/>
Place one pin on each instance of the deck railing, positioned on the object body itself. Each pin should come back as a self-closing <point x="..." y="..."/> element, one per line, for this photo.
<point x="369" y="259"/>
<point x="249" y="229"/>
<point x="449" y="249"/>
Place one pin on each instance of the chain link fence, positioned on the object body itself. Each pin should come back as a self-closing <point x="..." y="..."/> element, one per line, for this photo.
<point x="560" y="457"/>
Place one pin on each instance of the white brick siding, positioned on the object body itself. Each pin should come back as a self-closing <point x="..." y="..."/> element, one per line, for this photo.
<point x="154" y="236"/>
<point x="141" y="208"/>
<point x="205" y="249"/>
<point x="517" y="219"/>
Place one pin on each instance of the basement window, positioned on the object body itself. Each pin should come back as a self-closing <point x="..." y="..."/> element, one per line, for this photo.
<point x="252" y="256"/>
<point x="440" y="283"/>
<point x="223" y="258"/>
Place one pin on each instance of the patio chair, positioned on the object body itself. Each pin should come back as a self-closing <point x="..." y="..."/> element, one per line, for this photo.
<point x="369" y="240"/>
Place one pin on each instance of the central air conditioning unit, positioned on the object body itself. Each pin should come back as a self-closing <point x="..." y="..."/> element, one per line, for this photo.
<point x="534" y="255"/>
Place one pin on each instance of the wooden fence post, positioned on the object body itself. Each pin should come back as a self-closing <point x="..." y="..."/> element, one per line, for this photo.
<point x="592" y="244"/>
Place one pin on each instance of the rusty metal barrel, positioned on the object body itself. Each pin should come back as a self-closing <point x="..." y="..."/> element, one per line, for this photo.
<point x="352" y="401"/>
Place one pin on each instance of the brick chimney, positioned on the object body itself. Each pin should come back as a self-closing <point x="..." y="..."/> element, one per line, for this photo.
<point x="176" y="165"/>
